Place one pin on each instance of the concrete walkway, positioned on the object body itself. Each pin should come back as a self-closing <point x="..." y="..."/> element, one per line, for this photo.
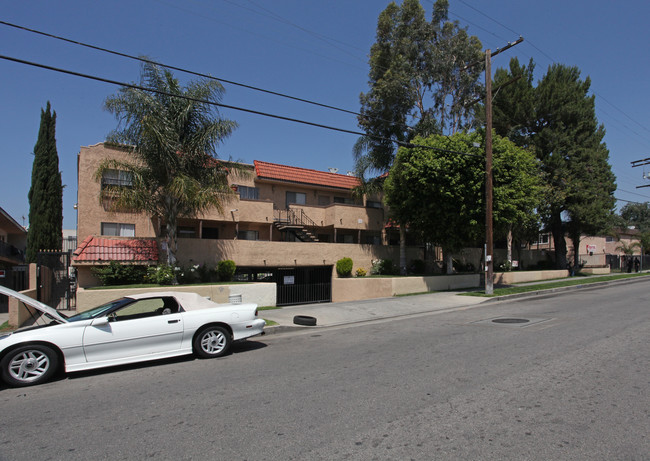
<point x="331" y="314"/>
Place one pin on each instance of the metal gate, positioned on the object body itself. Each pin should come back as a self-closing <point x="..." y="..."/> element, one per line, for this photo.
<point x="56" y="287"/>
<point x="303" y="285"/>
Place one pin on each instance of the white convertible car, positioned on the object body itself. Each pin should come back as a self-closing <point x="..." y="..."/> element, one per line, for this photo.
<point x="132" y="329"/>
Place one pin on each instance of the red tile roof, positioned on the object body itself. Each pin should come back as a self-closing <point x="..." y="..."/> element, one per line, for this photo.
<point x="265" y="170"/>
<point x="96" y="249"/>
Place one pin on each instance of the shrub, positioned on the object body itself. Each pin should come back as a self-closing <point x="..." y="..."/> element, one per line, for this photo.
<point x="344" y="267"/>
<point x="162" y="274"/>
<point x="361" y="272"/>
<point x="226" y="269"/>
<point x="386" y="267"/>
<point x="120" y="274"/>
<point x="418" y="266"/>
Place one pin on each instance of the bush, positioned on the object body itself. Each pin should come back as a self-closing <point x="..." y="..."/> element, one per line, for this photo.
<point x="344" y="267"/>
<point x="361" y="272"/>
<point x="226" y="269"/>
<point x="162" y="274"/>
<point x="120" y="274"/>
<point x="195" y="273"/>
<point x="383" y="267"/>
<point x="418" y="267"/>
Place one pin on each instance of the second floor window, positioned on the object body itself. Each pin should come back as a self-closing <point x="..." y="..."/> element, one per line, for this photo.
<point x="118" y="229"/>
<point x="251" y="193"/>
<point x="344" y="200"/>
<point x="298" y="198"/>
<point x="117" y="178"/>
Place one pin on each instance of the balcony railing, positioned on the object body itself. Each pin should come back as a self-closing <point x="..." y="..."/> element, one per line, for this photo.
<point x="293" y="217"/>
<point x="10" y="251"/>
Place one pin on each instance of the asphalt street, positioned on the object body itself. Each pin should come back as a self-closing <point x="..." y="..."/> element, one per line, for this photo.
<point x="570" y="381"/>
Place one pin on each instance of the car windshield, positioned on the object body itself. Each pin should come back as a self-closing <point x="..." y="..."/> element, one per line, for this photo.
<point x="99" y="310"/>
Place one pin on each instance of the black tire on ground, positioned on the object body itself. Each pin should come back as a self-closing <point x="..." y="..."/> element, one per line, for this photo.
<point x="29" y="365"/>
<point x="304" y="320"/>
<point x="211" y="342"/>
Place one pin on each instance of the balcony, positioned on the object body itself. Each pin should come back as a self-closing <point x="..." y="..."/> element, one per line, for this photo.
<point x="11" y="254"/>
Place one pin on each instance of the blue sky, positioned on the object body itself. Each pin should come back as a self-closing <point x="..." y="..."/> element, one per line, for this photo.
<point x="312" y="49"/>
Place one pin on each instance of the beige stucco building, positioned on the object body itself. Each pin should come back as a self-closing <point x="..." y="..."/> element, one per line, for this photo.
<point x="278" y="217"/>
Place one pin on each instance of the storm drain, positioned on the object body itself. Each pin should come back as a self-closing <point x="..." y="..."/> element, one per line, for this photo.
<point x="513" y="321"/>
<point x="510" y="320"/>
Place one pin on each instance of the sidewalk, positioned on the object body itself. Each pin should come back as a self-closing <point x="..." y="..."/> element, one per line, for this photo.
<point x="332" y="314"/>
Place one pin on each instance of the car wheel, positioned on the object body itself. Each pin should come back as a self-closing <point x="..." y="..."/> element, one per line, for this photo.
<point x="212" y="342"/>
<point x="29" y="365"/>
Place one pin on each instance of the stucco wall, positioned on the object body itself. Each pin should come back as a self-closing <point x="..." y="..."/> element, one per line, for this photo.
<point x="358" y="288"/>
<point x="274" y="254"/>
<point x="262" y="294"/>
<point x="528" y="276"/>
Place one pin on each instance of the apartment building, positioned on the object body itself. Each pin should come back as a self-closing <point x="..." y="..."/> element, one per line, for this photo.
<point x="282" y="223"/>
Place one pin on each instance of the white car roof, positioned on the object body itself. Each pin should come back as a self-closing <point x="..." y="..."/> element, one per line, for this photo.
<point x="189" y="300"/>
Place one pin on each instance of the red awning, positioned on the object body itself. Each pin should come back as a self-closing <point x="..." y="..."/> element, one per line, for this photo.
<point x="96" y="249"/>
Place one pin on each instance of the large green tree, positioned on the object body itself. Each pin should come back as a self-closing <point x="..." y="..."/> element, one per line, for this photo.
<point x="174" y="131"/>
<point x="568" y="142"/>
<point x="557" y="119"/>
<point x="46" y="192"/>
<point x="442" y="196"/>
<point x="417" y="78"/>
<point x="637" y="215"/>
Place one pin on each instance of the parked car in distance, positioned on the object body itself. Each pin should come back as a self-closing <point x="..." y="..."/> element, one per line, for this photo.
<point x="132" y="329"/>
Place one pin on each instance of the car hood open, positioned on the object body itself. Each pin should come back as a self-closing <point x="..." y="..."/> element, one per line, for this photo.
<point x="39" y="306"/>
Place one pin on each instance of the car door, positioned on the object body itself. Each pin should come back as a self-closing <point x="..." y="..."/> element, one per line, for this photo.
<point x="143" y="328"/>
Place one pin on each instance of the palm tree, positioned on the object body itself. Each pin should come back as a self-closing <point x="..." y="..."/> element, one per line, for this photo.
<point x="173" y="132"/>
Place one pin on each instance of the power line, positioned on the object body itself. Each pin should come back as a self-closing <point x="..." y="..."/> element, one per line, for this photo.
<point x="198" y="74"/>
<point x="226" y="106"/>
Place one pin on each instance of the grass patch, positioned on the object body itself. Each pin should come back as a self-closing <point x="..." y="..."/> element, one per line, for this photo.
<point x="270" y="323"/>
<point x="547" y="286"/>
<point x="415" y="294"/>
<point x="6" y="327"/>
<point x="268" y="308"/>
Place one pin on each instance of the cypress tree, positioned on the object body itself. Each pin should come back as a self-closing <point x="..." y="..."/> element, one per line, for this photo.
<point x="46" y="192"/>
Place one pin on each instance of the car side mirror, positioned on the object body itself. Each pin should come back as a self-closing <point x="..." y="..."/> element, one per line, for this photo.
<point x="101" y="321"/>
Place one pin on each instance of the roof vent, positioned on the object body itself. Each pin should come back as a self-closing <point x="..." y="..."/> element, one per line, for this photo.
<point x="333" y="170"/>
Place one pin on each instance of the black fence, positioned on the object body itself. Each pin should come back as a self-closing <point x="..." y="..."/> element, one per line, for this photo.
<point x="295" y="285"/>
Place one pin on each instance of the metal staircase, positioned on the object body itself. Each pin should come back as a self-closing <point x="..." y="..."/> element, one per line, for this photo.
<point x="297" y="222"/>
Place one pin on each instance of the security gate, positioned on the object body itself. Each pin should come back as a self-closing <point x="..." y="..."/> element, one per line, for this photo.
<point x="295" y="285"/>
<point x="56" y="287"/>
<point x="303" y="285"/>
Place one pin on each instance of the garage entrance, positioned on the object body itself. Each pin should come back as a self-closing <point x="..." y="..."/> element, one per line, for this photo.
<point x="295" y="285"/>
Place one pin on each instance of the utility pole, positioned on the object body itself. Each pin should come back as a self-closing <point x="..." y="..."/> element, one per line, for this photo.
<point x="489" y="260"/>
<point x="489" y="241"/>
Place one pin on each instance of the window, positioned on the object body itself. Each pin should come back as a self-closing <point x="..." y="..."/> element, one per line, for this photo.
<point x="210" y="233"/>
<point x="117" y="178"/>
<point x="323" y="200"/>
<point x="543" y="239"/>
<point x="344" y="238"/>
<point x="298" y="198"/>
<point x="609" y="239"/>
<point x="250" y="193"/>
<point x="373" y="204"/>
<point x="373" y="239"/>
<point x="248" y="235"/>
<point x="146" y="308"/>
<point x="118" y="229"/>
<point x="344" y="200"/>
<point x="186" y="232"/>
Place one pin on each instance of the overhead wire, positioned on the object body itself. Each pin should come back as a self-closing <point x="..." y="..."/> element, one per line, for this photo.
<point x="227" y="106"/>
